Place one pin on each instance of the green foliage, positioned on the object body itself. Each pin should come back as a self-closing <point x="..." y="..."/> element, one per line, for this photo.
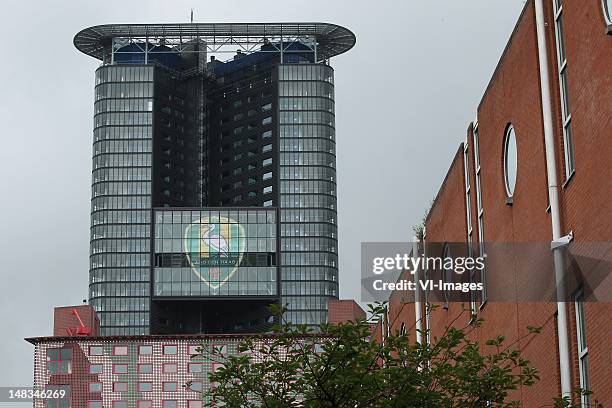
<point x="419" y="229"/>
<point x="341" y="366"/>
<point x="573" y="401"/>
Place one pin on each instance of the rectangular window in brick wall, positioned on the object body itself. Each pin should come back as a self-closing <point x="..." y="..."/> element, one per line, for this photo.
<point x="59" y="361"/>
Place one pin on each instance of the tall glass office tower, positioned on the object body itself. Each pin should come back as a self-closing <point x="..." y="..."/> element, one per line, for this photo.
<point x="307" y="190"/>
<point x="120" y="267"/>
<point x="214" y="185"/>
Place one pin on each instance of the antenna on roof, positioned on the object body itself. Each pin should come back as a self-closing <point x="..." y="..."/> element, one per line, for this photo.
<point x="192" y="15"/>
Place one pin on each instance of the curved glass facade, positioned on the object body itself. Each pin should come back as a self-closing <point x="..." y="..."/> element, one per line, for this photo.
<point x="309" y="242"/>
<point x="121" y="198"/>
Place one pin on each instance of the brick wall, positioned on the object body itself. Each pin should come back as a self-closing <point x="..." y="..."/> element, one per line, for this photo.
<point x="586" y="198"/>
<point x="513" y="97"/>
<point x="344" y="310"/>
<point x="64" y="319"/>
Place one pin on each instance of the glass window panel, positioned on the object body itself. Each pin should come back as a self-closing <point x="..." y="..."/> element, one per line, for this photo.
<point x="145" y="386"/>
<point x="95" y="387"/>
<point x="510" y="160"/>
<point x="145" y="368"/>
<point x="580" y="323"/>
<point x="120" y="368"/>
<point x="95" y="368"/>
<point x="145" y="350"/>
<point x="564" y="94"/>
<point x="65" y="354"/>
<point x="569" y="150"/>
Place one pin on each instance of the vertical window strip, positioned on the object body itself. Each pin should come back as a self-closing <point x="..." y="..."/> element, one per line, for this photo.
<point x="426" y="294"/>
<point x="468" y="215"/>
<point x="606" y="6"/>
<point x="583" y="351"/>
<point x="426" y="336"/>
<point x="568" y="144"/>
<point x="479" y="207"/>
<point x="466" y="165"/>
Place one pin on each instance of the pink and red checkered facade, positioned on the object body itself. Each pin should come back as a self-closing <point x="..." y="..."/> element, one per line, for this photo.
<point x="128" y="371"/>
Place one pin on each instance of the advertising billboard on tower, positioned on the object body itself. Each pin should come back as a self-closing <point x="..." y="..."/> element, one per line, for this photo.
<point x="212" y="252"/>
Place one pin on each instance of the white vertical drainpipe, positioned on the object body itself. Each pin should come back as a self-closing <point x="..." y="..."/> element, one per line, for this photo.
<point x="417" y="295"/>
<point x="553" y="195"/>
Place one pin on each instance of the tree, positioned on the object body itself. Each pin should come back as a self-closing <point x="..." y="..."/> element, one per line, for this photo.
<point x="419" y="229"/>
<point x="340" y="366"/>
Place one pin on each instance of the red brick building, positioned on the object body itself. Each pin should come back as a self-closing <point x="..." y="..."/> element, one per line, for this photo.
<point x="344" y="310"/>
<point x="483" y="200"/>
<point x="75" y="320"/>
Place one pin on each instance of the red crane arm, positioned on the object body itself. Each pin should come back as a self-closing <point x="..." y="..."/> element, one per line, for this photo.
<point x="83" y="330"/>
<point x="74" y="312"/>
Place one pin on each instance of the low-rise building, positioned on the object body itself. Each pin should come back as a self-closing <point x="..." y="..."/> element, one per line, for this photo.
<point x="139" y="371"/>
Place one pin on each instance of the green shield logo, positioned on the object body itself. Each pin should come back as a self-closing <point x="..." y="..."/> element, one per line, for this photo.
<point x="214" y="247"/>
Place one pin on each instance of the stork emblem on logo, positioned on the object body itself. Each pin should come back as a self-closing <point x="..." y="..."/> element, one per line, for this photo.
<point x="214" y="247"/>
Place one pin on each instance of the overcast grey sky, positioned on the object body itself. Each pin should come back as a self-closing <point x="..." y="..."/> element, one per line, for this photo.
<point x="404" y="97"/>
